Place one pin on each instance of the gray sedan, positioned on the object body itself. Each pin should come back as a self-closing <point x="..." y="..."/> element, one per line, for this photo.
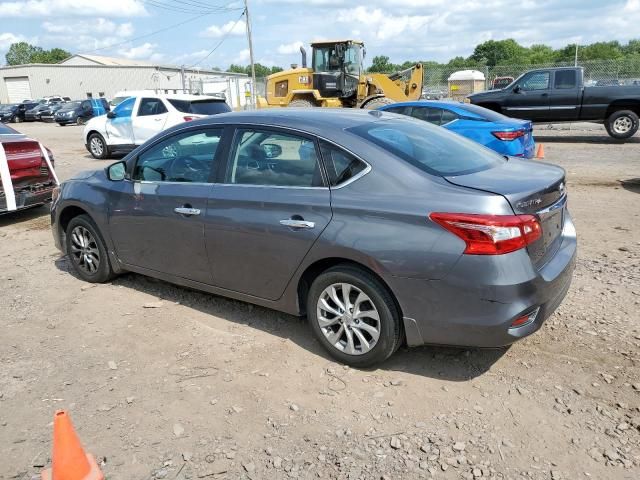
<point x="381" y="229"/>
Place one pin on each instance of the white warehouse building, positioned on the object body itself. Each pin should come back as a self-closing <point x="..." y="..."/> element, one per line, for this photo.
<point x="91" y="76"/>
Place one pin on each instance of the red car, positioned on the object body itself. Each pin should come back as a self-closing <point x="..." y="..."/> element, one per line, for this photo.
<point x="25" y="170"/>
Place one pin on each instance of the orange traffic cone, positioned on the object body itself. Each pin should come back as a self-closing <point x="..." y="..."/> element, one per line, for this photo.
<point x="69" y="461"/>
<point x="540" y="152"/>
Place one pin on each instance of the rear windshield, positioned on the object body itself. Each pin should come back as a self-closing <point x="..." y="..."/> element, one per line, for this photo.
<point x="483" y="112"/>
<point x="200" y="107"/>
<point x="71" y="106"/>
<point x="428" y="147"/>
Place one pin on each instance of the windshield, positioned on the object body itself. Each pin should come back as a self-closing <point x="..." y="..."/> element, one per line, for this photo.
<point x="200" y="107"/>
<point x="432" y="149"/>
<point x="117" y="101"/>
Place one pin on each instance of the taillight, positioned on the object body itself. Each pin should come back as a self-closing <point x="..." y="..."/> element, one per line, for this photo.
<point x="491" y="234"/>
<point x="508" y="136"/>
<point x="188" y="118"/>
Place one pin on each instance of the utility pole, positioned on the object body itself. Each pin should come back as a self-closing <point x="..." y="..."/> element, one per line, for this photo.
<point x="253" y="67"/>
<point x="576" y="61"/>
<point x="182" y="76"/>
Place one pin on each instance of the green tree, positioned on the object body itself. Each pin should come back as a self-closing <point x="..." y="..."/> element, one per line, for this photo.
<point x="233" y="68"/>
<point x="381" y="64"/>
<point x="539" y="54"/>
<point x="497" y="52"/>
<point x="23" y="52"/>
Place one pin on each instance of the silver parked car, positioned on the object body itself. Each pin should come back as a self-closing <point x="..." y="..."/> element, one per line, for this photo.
<point x="381" y="229"/>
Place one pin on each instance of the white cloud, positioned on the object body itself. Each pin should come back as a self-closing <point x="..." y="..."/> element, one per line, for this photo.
<point x="290" y="48"/>
<point x="383" y="24"/>
<point x="242" y="57"/>
<point x="230" y="28"/>
<point x="145" y="51"/>
<point x="67" y="8"/>
<point x="99" y="26"/>
<point x="7" y="38"/>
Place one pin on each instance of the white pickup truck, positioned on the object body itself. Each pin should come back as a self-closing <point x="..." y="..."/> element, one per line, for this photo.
<point x="136" y="119"/>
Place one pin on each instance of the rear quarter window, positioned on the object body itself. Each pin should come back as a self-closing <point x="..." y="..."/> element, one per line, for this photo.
<point x="200" y="107"/>
<point x="429" y="148"/>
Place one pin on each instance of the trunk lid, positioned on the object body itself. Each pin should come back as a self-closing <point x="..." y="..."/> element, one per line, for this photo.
<point x="26" y="164"/>
<point x="530" y="188"/>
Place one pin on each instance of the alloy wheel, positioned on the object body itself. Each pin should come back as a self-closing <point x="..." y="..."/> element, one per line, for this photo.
<point x="348" y="318"/>
<point x="622" y="125"/>
<point x="97" y="148"/>
<point x="84" y="250"/>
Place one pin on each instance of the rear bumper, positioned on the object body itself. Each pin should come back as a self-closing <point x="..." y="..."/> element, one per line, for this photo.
<point x="27" y="199"/>
<point x="477" y="302"/>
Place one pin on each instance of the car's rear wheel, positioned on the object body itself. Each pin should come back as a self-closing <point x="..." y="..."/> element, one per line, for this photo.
<point x="80" y="121"/>
<point x="87" y="251"/>
<point x="354" y="316"/>
<point x="622" y="124"/>
<point x="301" y="103"/>
<point x="97" y="146"/>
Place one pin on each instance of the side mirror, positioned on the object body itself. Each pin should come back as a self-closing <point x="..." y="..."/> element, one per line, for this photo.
<point x="517" y="89"/>
<point x="111" y="114"/>
<point x="271" y="150"/>
<point x="117" y="172"/>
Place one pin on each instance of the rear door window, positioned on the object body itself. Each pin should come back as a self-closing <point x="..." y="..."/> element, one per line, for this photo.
<point x="151" y="106"/>
<point x="565" y="79"/>
<point x="271" y="158"/>
<point x="433" y="150"/>
<point x="200" y="107"/>
<point x="448" y="116"/>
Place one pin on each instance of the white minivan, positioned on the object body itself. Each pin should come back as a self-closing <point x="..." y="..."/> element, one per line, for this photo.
<point x="136" y="119"/>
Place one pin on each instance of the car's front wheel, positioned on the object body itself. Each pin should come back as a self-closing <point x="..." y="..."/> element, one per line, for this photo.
<point x="97" y="146"/>
<point x="354" y="316"/>
<point x="87" y="251"/>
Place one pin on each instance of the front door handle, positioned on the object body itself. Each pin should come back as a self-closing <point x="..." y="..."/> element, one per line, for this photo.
<point x="293" y="223"/>
<point x="187" y="211"/>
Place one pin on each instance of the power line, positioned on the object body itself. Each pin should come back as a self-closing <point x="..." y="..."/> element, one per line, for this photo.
<point x="226" y="35"/>
<point x="147" y="35"/>
<point x="191" y="8"/>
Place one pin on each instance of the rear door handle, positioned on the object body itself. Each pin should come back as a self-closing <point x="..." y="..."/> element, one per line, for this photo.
<point x="291" y="223"/>
<point x="187" y="211"/>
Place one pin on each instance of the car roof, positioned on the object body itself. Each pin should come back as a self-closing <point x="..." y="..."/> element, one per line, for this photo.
<point x="177" y="96"/>
<point x="316" y="121"/>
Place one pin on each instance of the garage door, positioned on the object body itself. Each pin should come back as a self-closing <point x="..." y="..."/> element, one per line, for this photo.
<point x="18" y="89"/>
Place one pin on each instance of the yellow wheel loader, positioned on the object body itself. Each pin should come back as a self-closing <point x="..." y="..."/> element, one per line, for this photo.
<point x="337" y="79"/>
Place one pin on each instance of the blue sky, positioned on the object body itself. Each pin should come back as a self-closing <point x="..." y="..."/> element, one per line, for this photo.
<point x="400" y="29"/>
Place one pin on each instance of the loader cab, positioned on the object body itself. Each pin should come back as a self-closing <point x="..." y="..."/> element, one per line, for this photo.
<point x="337" y="67"/>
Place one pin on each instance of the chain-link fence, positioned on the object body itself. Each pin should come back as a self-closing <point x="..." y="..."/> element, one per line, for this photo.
<point x="596" y="73"/>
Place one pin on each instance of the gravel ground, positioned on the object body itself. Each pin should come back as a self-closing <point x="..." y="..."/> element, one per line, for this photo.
<point x="164" y="382"/>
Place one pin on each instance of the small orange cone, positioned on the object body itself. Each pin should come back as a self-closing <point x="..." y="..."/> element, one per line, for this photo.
<point x="69" y="461"/>
<point x="540" y="152"/>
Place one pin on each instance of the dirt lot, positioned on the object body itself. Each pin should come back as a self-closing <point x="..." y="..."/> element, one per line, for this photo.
<point x="205" y="387"/>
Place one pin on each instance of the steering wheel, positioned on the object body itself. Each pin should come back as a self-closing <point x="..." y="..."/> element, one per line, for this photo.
<point x="188" y="169"/>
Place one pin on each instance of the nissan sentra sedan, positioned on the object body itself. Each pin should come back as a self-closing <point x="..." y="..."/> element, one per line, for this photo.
<point x="383" y="230"/>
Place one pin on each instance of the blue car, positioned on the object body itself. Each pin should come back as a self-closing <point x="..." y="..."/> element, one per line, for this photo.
<point x="507" y="136"/>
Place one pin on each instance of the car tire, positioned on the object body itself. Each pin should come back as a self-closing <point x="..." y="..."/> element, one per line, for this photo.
<point x="377" y="103"/>
<point x="17" y="120"/>
<point x="622" y="124"/>
<point x="342" y="335"/>
<point x="97" y="146"/>
<point x="301" y="103"/>
<point x="80" y="121"/>
<point x="87" y="251"/>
